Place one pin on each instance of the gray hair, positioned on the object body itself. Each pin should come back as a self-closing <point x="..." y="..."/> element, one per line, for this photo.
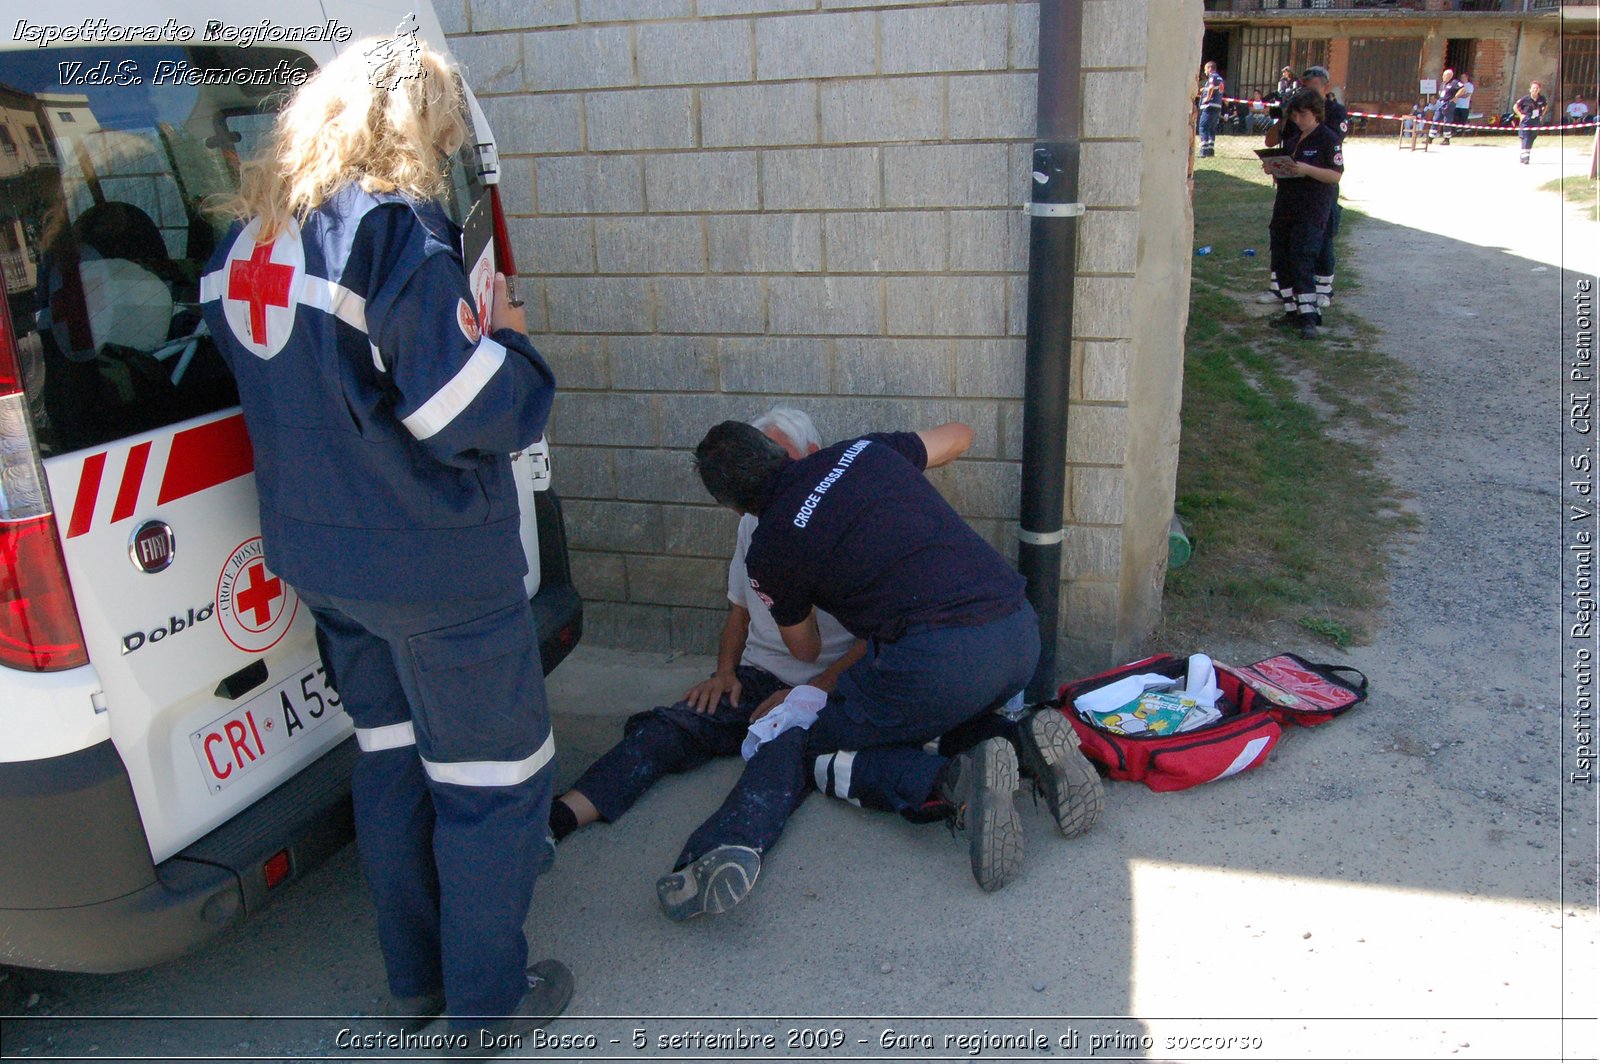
<point x="795" y="424"/>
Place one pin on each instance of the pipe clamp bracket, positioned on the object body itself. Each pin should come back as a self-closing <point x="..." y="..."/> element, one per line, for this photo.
<point x="1041" y="539"/>
<point x="1055" y="210"/>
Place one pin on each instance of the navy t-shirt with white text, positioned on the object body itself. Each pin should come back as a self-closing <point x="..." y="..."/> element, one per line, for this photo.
<point x="856" y="530"/>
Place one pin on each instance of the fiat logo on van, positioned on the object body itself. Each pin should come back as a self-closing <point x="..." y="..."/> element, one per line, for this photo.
<point x="151" y="547"/>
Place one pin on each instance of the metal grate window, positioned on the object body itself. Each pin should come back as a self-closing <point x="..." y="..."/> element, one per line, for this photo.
<point x="1309" y="52"/>
<point x="1383" y="73"/>
<point x="1260" y="52"/>
<point x="1580" y="69"/>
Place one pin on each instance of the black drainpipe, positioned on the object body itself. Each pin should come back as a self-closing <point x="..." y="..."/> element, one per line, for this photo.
<point x="1052" y="267"/>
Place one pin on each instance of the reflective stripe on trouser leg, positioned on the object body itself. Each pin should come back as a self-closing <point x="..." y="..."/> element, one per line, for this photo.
<point x="832" y="775"/>
<point x="389" y="792"/>
<point x="1324" y="284"/>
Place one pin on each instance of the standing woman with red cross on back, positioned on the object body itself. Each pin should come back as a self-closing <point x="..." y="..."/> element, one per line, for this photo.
<point x="382" y="420"/>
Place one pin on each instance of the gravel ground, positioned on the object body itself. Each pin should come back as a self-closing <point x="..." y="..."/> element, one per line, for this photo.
<point x="1375" y="891"/>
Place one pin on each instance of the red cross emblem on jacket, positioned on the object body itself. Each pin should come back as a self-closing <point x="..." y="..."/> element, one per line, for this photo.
<point x="260" y="285"/>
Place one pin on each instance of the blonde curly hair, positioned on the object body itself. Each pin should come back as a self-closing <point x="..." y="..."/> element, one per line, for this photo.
<point x="374" y="116"/>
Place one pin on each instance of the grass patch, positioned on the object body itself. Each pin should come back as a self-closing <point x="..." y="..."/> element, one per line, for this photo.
<point x="1577" y="189"/>
<point x="1277" y="485"/>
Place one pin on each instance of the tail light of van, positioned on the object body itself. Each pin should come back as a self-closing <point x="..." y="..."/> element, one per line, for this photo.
<point x="39" y="628"/>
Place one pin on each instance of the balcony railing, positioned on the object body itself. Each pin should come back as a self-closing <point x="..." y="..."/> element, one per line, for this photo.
<point x="1397" y="6"/>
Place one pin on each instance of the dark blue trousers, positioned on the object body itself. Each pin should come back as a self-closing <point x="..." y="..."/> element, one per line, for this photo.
<point x="671" y="739"/>
<point x="452" y="790"/>
<point x="867" y="743"/>
<point x="1210" y="122"/>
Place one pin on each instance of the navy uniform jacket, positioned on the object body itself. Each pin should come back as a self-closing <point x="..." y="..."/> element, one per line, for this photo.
<point x="856" y="530"/>
<point x="382" y="420"/>
<point x="1212" y="91"/>
<point x="1305" y="197"/>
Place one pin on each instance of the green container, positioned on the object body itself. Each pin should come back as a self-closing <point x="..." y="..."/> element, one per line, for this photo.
<point x="1178" y="546"/>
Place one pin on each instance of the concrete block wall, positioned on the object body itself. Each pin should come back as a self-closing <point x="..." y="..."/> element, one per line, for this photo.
<point x="721" y="204"/>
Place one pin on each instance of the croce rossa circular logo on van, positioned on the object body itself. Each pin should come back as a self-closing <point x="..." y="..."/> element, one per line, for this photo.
<point x="254" y="607"/>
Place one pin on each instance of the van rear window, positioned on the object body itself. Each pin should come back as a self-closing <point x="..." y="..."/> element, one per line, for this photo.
<point x="106" y="159"/>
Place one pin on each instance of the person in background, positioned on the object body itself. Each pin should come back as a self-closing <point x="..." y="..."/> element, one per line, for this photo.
<point x="1529" y="111"/>
<point x="1210" y="101"/>
<point x="1444" y="110"/>
<point x="1287" y="83"/>
<point x="1463" y="99"/>
<point x="383" y="414"/>
<point x="1578" y="110"/>
<point x="1306" y="183"/>
<point x="1337" y="119"/>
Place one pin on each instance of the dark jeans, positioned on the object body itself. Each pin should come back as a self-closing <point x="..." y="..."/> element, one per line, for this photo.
<point x="670" y="739"/>
<point x="885" y="707"/>
<point x="1210" y="122"/>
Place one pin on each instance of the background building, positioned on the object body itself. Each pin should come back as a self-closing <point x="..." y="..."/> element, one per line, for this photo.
<point x="1379" y="50"/>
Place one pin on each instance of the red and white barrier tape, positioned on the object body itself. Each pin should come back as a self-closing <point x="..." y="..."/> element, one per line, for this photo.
<point x="1427" y="119"/>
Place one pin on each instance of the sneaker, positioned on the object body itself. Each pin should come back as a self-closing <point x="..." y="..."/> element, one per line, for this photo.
<point x="1267" y="298"/>
<point x="1324" y="301"/>
<point x="549" y="991"/>
<point x="1070" y="785"/>
<point x="980" y="785"/>
<point x="713" y="884"/>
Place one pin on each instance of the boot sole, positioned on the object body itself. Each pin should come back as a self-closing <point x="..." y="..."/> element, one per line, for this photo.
<point x="1072" y="788"/>
<point x="994" y="828"/>
<point x="721" y="878"/>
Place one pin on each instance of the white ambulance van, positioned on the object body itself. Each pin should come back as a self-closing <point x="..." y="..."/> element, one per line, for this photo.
<point x="170" y="753"/>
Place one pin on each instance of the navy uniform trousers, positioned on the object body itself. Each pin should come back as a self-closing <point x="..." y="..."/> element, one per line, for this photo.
<point x="1297" y="231"/>
<point x="671" y="739"/>
<point x="867" y="743"/>
<point x="452" y="789"/>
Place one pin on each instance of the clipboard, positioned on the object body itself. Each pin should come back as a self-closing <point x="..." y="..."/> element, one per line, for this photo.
<point x="477" y="254"/>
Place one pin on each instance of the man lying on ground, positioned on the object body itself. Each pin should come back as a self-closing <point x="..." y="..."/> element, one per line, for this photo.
<point x="754" y="672"/>
<point x="858" y="531"/>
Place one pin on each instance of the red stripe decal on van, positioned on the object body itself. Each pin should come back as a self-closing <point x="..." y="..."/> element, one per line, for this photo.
<point x="206" y="456"/>
<point x="132" y="478"/>
<point x="88" y="491"/>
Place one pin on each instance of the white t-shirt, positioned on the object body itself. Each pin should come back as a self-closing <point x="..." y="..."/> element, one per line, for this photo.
<point x="1463" y="100"/>
<point x="1577" y="109"/>
<point x="764" y="646"/>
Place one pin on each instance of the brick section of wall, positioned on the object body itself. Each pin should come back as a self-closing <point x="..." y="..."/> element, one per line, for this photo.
<point x="721" y="204"/>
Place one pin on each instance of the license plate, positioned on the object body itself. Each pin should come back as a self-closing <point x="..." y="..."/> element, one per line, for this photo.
<point x="239" y="741"/>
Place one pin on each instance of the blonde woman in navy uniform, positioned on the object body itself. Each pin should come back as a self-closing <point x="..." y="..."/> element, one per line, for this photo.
<point x="382" y="420"/>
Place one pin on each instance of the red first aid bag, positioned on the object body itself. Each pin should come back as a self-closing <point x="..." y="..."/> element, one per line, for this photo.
<point x="1240" y="740"/>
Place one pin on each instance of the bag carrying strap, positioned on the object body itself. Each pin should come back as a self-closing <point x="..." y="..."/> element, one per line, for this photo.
<point x="1360" y="684"/>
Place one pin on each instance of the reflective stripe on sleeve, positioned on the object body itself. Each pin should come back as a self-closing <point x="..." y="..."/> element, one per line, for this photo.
<point x="335" y="299"/>
<point x="388" y="737"/>
<point x="491" y="773"/>
<point x="436" y="414"/>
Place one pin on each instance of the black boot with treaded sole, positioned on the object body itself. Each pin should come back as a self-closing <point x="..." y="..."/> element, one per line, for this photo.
<point x="980" y="786"/>
<point x="1066" y="780"/>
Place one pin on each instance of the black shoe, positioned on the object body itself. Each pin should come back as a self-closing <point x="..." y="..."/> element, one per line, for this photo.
<point x="408" y="1015"/>
<point x="549" y="991"/>
<point x="1070" y="785"/>
<point x="713" y="884"/>
<point x="1308" y="330"/>
<point x="979" y="785"/>
<point x="1287" y="320"/>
